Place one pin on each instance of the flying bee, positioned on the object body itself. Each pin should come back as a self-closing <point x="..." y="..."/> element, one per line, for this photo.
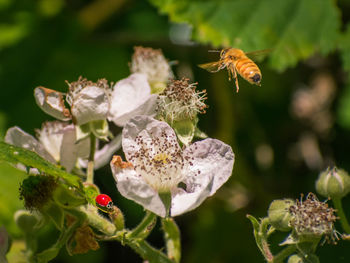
<point x="236" y="61"/>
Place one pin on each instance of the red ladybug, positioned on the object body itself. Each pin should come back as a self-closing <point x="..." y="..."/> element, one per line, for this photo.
<point x="104" y="202"/>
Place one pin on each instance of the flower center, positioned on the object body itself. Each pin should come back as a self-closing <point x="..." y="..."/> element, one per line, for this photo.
<point x="159" y="160"/>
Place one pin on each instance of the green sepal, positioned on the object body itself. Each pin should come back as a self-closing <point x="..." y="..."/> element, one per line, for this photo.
<point x="68" y="197"/>
<point x="185" y="129"/>
<point x="200" y="134"/>
<point x="157" y="87"/>
<point x="82" y="132"/>
<point x="100" y="129"/>
<point x="166" y="199"/>
<point x="55" y="213"/>
<point x="172" y="239"/>
<point x="91" y="191"/>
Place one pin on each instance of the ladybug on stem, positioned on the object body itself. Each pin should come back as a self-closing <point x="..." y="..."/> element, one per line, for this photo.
<point x="104" y="203"/>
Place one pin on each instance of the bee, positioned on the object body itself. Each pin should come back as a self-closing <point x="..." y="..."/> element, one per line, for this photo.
<point x="236" y="61"/>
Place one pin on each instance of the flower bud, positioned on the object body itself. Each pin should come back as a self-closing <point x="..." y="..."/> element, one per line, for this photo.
<point x="279" y="214"/>
<point x="26" y="221"/>
<point x="333" y="183"/>
<point x="311" y="258"/>
<point x="117" y="218"/>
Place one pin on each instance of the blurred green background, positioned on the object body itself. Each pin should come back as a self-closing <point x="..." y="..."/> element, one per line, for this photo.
<point x="283" y="133"/>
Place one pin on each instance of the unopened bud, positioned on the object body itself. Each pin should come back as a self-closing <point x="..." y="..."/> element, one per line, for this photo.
<point x="310" y="258"/>
<point x="26" y="221"/>
<point x="117" y="218"/>
<point x="279" y="215"/>
<point x="333" y="183"/>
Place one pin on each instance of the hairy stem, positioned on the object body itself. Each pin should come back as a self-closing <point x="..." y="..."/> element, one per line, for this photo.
<point x="343" y="220"/>
<point x="145" y="227"/>
<point x="90" y="167"/>
<point x="283" y="254"/>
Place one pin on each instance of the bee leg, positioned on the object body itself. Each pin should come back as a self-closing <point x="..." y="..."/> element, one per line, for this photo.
<point x="236" y="78"/>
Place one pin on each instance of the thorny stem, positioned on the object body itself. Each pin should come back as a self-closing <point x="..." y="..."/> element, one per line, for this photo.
<point x="90" y="167"/>
<point x="343" y="220"/>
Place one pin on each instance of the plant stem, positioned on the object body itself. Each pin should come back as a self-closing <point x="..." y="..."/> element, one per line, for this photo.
<point x="90" y="167"/>
<point x="343" y="220"/>
<point x="172" y="238"/>
<point x="145" y="227"/>
<point x="283" y="254"/>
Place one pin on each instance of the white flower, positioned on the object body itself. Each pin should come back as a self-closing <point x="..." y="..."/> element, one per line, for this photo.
<point x="156" y="164"/>
<point x="151" y="62"/>
<point x="56" y="143"/>
<point x="130" y="97"/>
<point x="88" y="101"/>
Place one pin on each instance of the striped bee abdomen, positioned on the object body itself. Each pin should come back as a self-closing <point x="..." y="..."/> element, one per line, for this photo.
<point x="248" y="70"/>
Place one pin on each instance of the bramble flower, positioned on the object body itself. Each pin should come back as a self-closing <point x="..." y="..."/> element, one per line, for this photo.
<point x="156" y="165"/>
<point x="151" y="62"/>
<point x="312" y="219"/>
<point x="88" y="101"/>
<point x="180" y="101"/>
<point x="130" y="97"/>
<point x="179" y="105"/>
<point x="56" y="143"/>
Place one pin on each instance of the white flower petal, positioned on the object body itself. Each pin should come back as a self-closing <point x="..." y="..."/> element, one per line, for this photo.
<point x="130" y="97"/>
<point x="214" y="160"/>
<point x="133" y="187"/>
<point x="52" y="103"/>
<point x="103" y="156"/>
<point x="90" y="104"/>
<point x="69" y="148"/>
<point x="18" y="137"/>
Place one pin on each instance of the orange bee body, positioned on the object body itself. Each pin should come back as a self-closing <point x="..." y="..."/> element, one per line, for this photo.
<point x="236" y="61"/>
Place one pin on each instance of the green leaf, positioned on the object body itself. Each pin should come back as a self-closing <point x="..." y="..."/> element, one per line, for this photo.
<point x="172" y="238"/>
<point x="15" y="155"/>
<point x="294" y="29"/>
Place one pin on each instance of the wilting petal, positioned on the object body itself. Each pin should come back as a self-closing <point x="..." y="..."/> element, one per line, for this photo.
<point x="130" y="97"/>
<point x="131" y="186"/>
<point x="18" y="137"/>
<point x="90" y="104"/>
<point x="52" y="103"/>
<point x="212" y="166"/>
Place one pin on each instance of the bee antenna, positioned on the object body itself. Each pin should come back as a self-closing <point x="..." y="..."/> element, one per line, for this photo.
<point x="213" y="50"/>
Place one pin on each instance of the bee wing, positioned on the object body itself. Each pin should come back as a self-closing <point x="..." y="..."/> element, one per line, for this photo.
<point x="258" y="53"/>
<point x="212" y="66"/>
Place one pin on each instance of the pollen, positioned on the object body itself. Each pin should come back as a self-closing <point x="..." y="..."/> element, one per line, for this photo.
<point x="313" y="218"/>
<point x="180" y="100"/>
<point x="159" y="160"/>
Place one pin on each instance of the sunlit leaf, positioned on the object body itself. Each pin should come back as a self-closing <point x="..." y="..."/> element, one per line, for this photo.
<point x="294" y="29"/>
<point x="15" y="155"/>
